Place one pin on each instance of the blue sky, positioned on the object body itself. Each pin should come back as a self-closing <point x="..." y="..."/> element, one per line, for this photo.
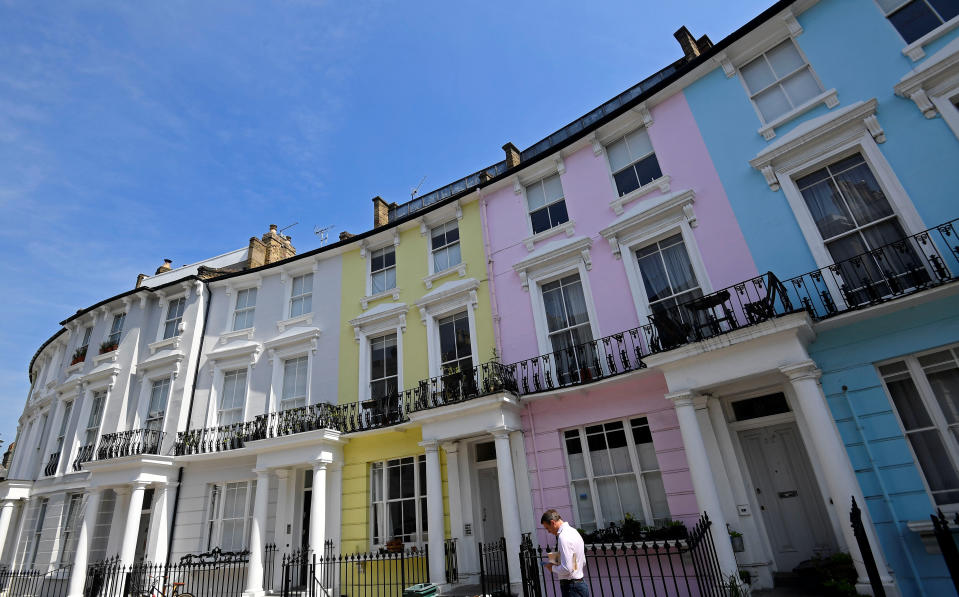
<point x="131" y="132"/>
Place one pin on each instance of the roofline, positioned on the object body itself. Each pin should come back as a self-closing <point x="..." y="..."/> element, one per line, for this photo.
<point x="681" y="72"/>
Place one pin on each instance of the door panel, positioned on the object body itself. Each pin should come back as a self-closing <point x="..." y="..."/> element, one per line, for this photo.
<point x="787" y="494"/>
<point x="491" y="514"/>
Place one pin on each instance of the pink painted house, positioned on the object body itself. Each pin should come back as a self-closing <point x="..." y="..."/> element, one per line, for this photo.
<point x="585" y="244"/>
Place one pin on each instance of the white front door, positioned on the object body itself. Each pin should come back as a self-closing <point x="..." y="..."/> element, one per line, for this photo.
<point x="787" y="494"/>
<point x="491" y="514"/>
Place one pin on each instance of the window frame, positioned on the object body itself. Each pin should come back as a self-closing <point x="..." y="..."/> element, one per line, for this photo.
<point x="68" y="528"/>
<point x="282" y="387"/>
<point x="796" y="108"/>
<point x="641" y="189"/>
<point x="929" y="401"/>
<point x="247" y="310"/>
<point x="432" y="252"/>
<point x="599" y="520"/>
<point x="529" y="212"/>
<point x="370" y="347"/>
<point x="91" y="413"/>
<point x="222" y="393"/>
<point x="116" y="331"/>
<point x="371" y="253"/>
<point x="944" y="26"/>
<point x="302" y="296"/>
<point x="365" y="328"/>
<point x="420" y="498"/>
<point x="165" y="320"/>
<point x="213" y="518"/>
<point x="84" y="343"/>
<point x="63" y="445"/>
<point x="37" y="534"/>
<point x="146" y="417"/>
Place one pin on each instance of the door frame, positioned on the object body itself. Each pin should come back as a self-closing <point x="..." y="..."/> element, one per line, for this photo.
<point x="793" y="416"/>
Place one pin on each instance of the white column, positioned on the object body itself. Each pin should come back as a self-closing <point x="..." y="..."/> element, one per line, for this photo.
<point x="508" y="503"/>
<point x="6" y="515"/>
<point x="78" y="575"/>
<point x="434" y="512"/>
<point x="254" y="575"/>
<point x="318" y="508"/>
<point x="334" y="505"/>
<point x="704" y="484"/>
<point x="453" y="489"/>
<point x="132" y="524"/>
<point x="837" y="468"/>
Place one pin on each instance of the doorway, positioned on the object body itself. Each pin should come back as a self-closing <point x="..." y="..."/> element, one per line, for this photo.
<point x="491" y="513"/>
<point x="787" y="494"/>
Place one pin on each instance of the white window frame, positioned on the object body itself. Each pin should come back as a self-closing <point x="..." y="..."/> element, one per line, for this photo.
<point x="247" y="309"/>
<point x="303" y="295"/>
<point x="246" y="391"/>
<point x="421" y="521"/>
<point x="933" y="409"/>
<point x="462" y="296"/>
<point x="661" y="183"/>
<point x="70" y="519"/>
<point x="552" y="230"/>
<point x="64" y="443"/>
<point x="370" y="342"/>
<point x="37" y="532"/>
<point x="915" y="50"/>
<point x="85" y="338"/>
<point x="393" y="267"/>
<point x="429" y="245"/>
<point x="600" y="521"/>
<point x="165" y="317"/>
<point x="120" y="316"/>
<point x="144" y="414"/>
<point x="283" y="381"/>
<point x="213" y="518"/>
<point x="392" y="320"/>
<point x="90" y="412"/>
<point x="634" y="274"/>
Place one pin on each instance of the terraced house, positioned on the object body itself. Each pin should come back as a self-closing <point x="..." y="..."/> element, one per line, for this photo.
<point x="713" y="322"/>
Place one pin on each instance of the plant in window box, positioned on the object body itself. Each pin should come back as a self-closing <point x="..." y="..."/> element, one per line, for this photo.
<point x="736" y="538"/>
<point x="79" y="355"/>
<point x="108" y="346"/>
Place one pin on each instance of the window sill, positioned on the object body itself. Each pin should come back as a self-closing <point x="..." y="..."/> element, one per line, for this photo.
<point x="567" y="227"/>
<point x="459" y="269"/>
<point x="915" y="51"/>
<point x="661" y="184"/>
<point x="829" y="98"/>
<point x="392" y="292"/>
<point x="107" y="357"/>
<point x="245" y="333"/>
<point x="282" y="326"/>
<point x="171" y="343"/>
<point x="74" y="368"/>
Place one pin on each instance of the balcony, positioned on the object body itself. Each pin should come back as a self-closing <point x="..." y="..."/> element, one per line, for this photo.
<point x="52" y="463"/>
<point x="902" y="268"/>
<point x="135" y="442"/>
<point x="85" y="454"/>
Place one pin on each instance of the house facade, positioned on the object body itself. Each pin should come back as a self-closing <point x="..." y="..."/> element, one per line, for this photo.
<point x="727" y="290"/>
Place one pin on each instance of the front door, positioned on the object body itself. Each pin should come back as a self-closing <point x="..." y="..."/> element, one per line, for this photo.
<point x="491" y="514"/>
<point x="787" y="494"/>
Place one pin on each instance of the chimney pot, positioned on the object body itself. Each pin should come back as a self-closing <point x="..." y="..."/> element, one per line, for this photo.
<point x="688" y="43"/>
<point x="165" y="267"/>
<point x="273" y="228"/>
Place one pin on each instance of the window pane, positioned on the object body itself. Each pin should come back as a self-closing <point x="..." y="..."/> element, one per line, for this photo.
<point x="647" y="457"/>
<point x="454" y="254"/>
<point x="784" y="58"/>
<point x="657" y="495"/>
<point x="772" y="103"/>
<point x="639" y="144"/>
<point x="619" y="156"/>
<point x="680" y="271"/>
<point x="654" y="276"/>
<point x="553" y="188"/>
<point x="540" y="220"/>
<point x="757" y="75"/>
<point x="827" y="208"/>
<point x="647" y="170"/>
<point x="861" y="191"/>
<point x="802" y="87"/>
<point x="626" y="181"/>
<point x="945" y="386"/>
<point x="557" y="213"/>
<point x="934" y="461"/>
<point x="575" y="303"/>
<point x="441" y="260"/>
<point x="914" y="20"/>
<point x="947" y="9"/>
<point x="584" y="505"/>
<point x="907" y="401"/>
<point x="608" y="490"/>
<point x="535" y="196"/>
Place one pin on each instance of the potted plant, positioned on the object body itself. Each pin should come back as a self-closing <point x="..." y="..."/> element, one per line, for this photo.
<point x="107" y="346"/>
<point x="79" y="355"/>
<point x="736" y="538"/>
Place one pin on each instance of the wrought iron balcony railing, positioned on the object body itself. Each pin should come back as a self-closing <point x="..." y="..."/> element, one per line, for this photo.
<point x="52" y="463"/>
<point x="914" y="263"/>
<point x="130" y="443"/>
<point x="85" y="454"/>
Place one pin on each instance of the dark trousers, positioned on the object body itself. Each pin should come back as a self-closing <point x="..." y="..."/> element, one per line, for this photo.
<point x="573" y="589"/>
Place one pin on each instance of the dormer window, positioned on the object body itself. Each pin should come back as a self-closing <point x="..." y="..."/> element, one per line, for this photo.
<point x="547" y="204"/>
<point x="633" y="162"/>
<point x="174" y="316"/>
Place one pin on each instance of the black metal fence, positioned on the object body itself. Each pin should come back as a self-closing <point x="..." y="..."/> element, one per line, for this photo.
<point x="947" y="543"/>
<point x="868" y="559"/>
<point x="212" y="574"/>
<point x="84" y="454"/>
<point x="52" y="463"/>
<point x="383" y="574"/>
<point x="130" y="443"/>
<point x="670" y="568"/>
<point x="34" y="583"/>
<point x="494" y="569"/>
<point x="451" y="562"/>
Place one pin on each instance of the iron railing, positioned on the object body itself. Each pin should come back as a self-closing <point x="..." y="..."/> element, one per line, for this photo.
<point x="212" y="574"/>
<point x="130" y="443"/>
<point x="909" y="265"/>
<point x="494" y="569"/>
<point x="384" y="574"/>
<point x="451" y="563"/>
<point x="34" y="583"/>
<point x="947" y="543"/>
<point x="865" y="549"/>
<point x="84" y="454"/>
<point x="684" y="567"/>
<point x="52" y="463"/>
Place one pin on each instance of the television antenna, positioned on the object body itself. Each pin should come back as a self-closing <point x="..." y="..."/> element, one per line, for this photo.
<point x="323" y="233"/>
<point x="416" y="189"/>
<point x="290" y="226"/>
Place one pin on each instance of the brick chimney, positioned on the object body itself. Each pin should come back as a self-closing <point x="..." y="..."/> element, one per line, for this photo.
<point x="512" y="155"/>
<point x="271" y="247"/>
<point x="167" y="266"/>
<point x="690" y="45"/>
<point x="381" y="212"/>
<point x="346" y="235"/>
<point x="140" y="279"/>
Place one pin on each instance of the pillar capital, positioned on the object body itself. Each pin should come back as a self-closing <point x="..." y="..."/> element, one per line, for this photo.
<point x="684" y="398"/>
<point x="800" y="371"/>
<point x="262" y="473"/>
<point x="501" y="431"/>
<point x="282" y="473"/>
<point x="122" y="490"/>
<point x="321" y="464"/>
<point x="430" y="445"/>
<point x="451" y="447"/>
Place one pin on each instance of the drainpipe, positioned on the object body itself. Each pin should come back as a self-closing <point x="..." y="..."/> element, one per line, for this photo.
<point x="494" y="307"/>
<point x="885" y="494"/>
<point x="532" y="431"/>
<point x="189" y="417"/>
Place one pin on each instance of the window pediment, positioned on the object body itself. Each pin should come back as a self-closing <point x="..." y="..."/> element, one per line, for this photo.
<point x="290" y="336"/>
<point x="169" y="358"/>
<point x="816" y="137"/>
<point x="448" y="295"/>
<point x="237" y="350"/>
<point x="649" y="216"/>
<point x="381" y="317"/>
<point x="555" y="257"/>
<point x="936" y="75"/>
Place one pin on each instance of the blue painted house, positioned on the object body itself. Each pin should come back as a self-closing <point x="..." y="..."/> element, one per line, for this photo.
<point x="834" y="128"/>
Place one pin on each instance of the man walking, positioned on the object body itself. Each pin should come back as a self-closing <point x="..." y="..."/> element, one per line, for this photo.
<point x="572" y="556"/>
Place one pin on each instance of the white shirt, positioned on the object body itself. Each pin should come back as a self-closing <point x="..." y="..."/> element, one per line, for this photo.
<point x="572" y="554"/>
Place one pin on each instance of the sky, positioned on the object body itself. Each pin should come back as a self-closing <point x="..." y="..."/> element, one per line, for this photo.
<point x="131" y="132"/>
